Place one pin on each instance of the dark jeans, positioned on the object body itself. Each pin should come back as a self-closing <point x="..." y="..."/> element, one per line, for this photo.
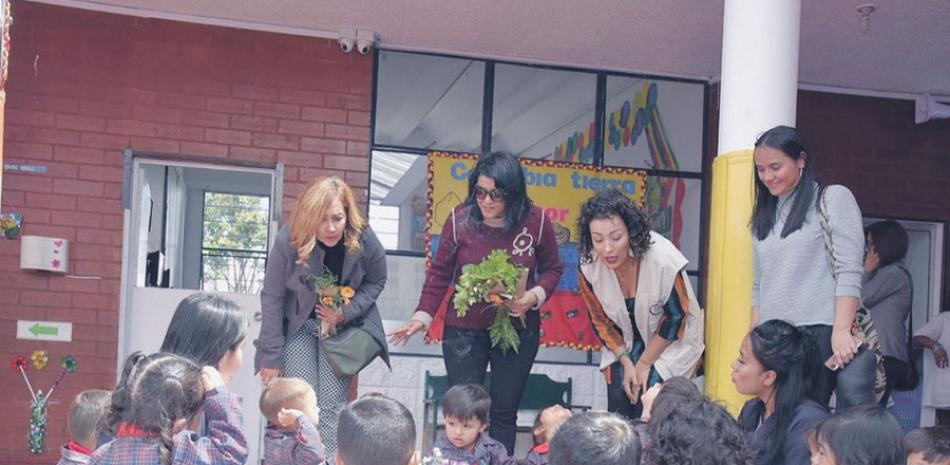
<point x="467" y="353"/>
<point x="853" y="384"/>
<point x="895" y="369"/>
<point x="617" y="400"/>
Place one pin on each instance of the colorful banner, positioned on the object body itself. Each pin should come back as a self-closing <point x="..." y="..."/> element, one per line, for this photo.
<point x="558" y="189"/>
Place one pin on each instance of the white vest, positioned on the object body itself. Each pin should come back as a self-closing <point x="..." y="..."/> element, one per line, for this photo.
<point x="659" y="267"/>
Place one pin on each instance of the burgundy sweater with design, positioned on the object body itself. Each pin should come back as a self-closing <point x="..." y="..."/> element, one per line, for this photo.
<point x="530" y="243"/>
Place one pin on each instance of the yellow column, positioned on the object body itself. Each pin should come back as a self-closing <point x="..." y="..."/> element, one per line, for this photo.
<point x="758" y="90"/>
<point x="729" y="272"/>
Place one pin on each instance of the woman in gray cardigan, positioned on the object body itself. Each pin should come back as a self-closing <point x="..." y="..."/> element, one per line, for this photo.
<point x="888" y="295"/>
<point x="326" y="233"/>
<point x="792" y="278"/>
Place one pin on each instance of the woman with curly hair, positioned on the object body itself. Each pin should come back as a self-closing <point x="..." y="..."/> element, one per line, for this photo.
<point x="700" y="433"/>
<point x="639" y="299"/>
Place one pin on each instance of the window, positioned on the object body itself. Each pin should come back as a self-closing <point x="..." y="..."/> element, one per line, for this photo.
<point x="544" y="113"/>
<point x="428" y="102"/>
<point x="654" y="124"/>
<point x="234" y="242"/>
<point x="397" y="200"/>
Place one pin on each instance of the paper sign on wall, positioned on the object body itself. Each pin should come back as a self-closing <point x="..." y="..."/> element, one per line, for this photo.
<point x="44" y="330"/>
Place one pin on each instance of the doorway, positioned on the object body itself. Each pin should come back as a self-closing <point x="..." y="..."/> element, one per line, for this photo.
<point x="189" y="227"/>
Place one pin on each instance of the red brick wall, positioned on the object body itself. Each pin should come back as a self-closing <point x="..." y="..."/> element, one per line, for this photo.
<point x="894" y="167"/>
<point x="83" y="86"/>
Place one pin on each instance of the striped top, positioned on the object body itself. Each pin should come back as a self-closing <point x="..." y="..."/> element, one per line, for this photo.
<point x="792" y="278"/>
<point x="671" y="327"/>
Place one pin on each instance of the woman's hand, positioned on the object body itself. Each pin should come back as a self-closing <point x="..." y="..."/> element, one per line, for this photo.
<point x="643" y="374"/>
<point x="405" y="332"/>
<point x="518" y="307"/>
<point x="330" y="315"/>
<point x="268" y="374"/>
<point x="631" y="381"/>
<point x="871" y="260"/>
<point x="210" y="378"/>
<point x="844" y="346"/>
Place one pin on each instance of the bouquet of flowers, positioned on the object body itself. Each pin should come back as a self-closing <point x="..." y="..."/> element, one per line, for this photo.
<point x="330" y="295"/>
<point x="495" y="280"/>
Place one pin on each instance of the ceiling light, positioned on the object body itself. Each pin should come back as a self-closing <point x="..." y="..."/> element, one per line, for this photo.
<point x="865" y="11"/>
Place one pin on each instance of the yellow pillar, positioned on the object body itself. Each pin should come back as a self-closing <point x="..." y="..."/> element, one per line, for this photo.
<point x="729" y="272"/>
<point x="758" y="90"/>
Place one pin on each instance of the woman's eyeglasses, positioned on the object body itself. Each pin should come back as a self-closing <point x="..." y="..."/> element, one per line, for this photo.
<point x="497" y="195"/>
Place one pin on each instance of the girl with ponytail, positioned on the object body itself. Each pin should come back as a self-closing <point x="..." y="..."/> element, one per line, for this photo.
<point x="775" y="365"/>
<point x="156" y="397"/>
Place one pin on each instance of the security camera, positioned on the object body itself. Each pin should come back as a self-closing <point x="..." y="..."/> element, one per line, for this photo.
<point x="365" y="41"/>
<point x="347" y="40"/>
<point x="347" y="44"/>
<point x="363" y="47"/>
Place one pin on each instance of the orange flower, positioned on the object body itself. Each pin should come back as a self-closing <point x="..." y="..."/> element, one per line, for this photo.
<point x="327" y="300"/>
<point x="347" y="292"/>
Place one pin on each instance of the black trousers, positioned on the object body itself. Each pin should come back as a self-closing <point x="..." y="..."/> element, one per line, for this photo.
<point x="853" y="384"/>
<point x="895" y="369"/>
<point x="468" y="352"/>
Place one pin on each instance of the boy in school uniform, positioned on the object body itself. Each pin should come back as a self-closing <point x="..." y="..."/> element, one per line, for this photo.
<point x="87" y="423"/>
<point x="465" y="408"/>
<point x="291" y="438"/>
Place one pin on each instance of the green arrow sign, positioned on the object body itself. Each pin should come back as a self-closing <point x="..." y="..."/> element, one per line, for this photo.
<point x="36" y="329"/>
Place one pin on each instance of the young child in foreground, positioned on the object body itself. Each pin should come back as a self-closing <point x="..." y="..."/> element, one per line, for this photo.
<point x="861" y="435"/>
<point x="292" y="438"/>
<point x="376" y="430"/>
<point x="465" y="408"/>
<point x="595" y="438"/>
<point x="156" y="398"/>
<point x="928" y="446"/>
<point x="545" y="425"/>
<point x="87" y="422"/>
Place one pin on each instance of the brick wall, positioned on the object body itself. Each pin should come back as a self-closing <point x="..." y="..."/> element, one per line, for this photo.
<point x="83" y="86"/>
<point x="894" y="167"/>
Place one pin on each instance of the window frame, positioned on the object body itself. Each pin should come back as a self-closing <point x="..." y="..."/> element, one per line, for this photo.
<point x="600" y="109"/>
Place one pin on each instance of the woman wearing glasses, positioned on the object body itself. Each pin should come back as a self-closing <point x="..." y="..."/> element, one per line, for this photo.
<point x="497" y="214"/>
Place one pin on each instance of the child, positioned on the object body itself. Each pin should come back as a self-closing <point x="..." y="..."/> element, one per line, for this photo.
<point x="658" y="402"/>
<point x="87" y="422"/>
<point x="290" y="406"/>
<point x="156" y="397"/>
<point x="928" y="446"/>
<point x="862" y="435"/>
<point x="465" y="408"/>
<point x="545" y="424"/>
<point x="595" y="438"/>
<point x="376" y="430"/>
<point x="698" y="433"/>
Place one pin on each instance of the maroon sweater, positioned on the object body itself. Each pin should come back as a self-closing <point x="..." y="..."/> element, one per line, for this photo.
<point x="530" y="243"/>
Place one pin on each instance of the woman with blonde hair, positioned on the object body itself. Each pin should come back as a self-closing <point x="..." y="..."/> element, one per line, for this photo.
<point x="326" y="234"/>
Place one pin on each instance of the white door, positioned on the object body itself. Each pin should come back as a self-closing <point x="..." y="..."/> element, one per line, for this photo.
<point x="192" y="227"/>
